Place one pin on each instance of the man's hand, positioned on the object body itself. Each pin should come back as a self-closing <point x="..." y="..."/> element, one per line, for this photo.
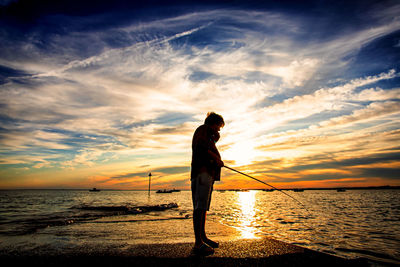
<point x="216" y="158"/>
<point x="220" y="163"/>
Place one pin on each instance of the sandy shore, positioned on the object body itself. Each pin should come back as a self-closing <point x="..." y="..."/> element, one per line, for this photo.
<point x="266" y="251"/>
<point x="170" y="249"/>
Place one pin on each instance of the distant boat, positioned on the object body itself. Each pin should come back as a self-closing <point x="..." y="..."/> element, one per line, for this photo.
<point x="94" y="189"/>
<point x="163" y="191"/>
<point x="167" y="191"/>
<point x="298" y="190"/>
<point x="341" y="190"/>
<point x="268" y="190"/>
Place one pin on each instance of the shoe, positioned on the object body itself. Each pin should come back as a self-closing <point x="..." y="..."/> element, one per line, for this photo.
<point x="203" y="250"/>
<point x="211" y="243"/>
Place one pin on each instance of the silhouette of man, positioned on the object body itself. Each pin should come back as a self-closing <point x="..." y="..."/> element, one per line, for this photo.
<point x="206" y="168"/>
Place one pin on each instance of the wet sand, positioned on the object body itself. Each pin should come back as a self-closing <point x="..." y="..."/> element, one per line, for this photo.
<point x="170" y="249"/>
<point x="264" y="251"/>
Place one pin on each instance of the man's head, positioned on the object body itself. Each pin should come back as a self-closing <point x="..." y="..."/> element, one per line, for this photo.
<point x="214" y="120"/>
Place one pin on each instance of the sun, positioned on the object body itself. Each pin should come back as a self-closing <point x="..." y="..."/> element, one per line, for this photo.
<point x="242" y="153"/>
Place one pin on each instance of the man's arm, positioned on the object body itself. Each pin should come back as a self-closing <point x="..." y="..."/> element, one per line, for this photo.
<point x="216" y="158"/>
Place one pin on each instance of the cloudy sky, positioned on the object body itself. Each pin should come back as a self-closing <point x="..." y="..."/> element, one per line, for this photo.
<point x="100" y="93"/>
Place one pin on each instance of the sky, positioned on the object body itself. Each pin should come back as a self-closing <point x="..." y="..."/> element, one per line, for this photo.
<point x="100" y="93"/>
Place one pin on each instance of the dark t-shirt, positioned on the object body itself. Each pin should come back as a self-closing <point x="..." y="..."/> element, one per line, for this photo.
<point x="204" y="139"/>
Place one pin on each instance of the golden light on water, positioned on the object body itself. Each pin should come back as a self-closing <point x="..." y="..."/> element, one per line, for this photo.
<point x="246" y="201"/>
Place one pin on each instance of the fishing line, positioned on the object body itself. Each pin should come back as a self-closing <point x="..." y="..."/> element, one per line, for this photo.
<point x="265" y="184"/>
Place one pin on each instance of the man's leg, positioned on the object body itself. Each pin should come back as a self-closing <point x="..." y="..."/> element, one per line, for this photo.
<point x="201" y="193"/>
<point x="198" y="226"/>
<point x="203" y="226"/>
<point x="204" y="238"/>
<point x="200" y="248"/>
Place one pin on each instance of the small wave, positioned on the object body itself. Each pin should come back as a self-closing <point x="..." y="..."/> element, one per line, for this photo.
<point x="368" y="253"/>
<point x="286" y="222"/>
<point x="129" y="209"/>
<point x="390" y="238"/>
<point x="299" y="243"/>
<point x="145" y="220"/>
<point x="77" y="214"/>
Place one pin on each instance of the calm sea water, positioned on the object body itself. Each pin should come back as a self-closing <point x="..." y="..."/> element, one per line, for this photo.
<point x="355" y="223"/>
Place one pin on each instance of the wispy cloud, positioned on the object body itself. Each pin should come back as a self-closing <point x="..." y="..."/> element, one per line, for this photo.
<point x="132" y="94"/>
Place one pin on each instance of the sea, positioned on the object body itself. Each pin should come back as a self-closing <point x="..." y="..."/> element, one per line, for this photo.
<point x="350" y="224"/>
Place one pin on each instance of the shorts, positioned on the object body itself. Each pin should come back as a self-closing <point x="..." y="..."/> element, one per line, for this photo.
<point x="202" y="187"/>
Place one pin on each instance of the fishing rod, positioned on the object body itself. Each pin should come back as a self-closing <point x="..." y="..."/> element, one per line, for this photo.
<point x="265" y="184"/>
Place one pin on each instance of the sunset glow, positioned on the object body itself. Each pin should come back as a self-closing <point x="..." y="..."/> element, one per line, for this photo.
<point x="310" y="94"/>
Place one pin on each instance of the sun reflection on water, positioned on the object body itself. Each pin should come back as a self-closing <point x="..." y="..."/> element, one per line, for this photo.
<point x="247" y="218"/>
